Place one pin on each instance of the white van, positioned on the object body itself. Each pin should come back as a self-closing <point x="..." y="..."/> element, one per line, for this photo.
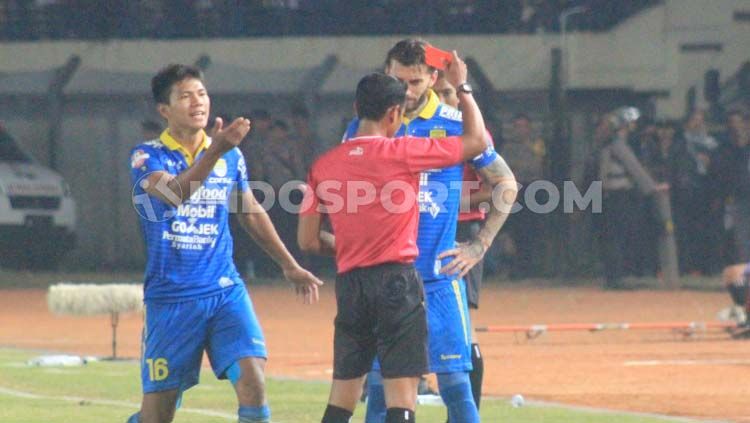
<point x="37" y="211"/>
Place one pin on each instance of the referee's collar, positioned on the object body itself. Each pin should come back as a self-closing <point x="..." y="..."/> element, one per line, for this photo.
<point x="429" y="109"/>
<point x="168" y="140"/>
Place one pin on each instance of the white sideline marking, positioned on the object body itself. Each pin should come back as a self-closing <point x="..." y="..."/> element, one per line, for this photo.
<point x="684" y="362"/>
<point x="96" y="401"/>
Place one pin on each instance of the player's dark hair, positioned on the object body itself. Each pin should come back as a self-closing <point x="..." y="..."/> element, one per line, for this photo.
<point x="280" y="124"/>
<point x="162" y="83"/>
<point x="376" y="93"/>
<point x="408" y="52"/>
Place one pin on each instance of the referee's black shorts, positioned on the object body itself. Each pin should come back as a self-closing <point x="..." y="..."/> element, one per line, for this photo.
<point x="380" y="312"/>
<point x="466" y="231"/>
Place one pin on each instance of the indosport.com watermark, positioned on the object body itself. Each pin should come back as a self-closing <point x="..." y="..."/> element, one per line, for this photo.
<point x="161" y="201"/>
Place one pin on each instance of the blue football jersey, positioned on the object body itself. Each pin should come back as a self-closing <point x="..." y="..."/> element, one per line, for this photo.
<point x="189" y="248"/>
<point x="439" y="189"/>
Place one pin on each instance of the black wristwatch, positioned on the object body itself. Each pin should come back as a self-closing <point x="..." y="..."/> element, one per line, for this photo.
<point x="465" y="88"/>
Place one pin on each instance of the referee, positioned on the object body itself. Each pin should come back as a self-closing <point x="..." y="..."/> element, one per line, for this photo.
<point x="368" y="189"/>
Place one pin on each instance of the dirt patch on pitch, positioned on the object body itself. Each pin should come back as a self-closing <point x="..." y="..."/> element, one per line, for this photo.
<point x="663" y="372"/>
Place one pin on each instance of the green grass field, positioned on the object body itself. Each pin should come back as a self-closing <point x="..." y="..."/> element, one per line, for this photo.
<point x="109" y="392"/>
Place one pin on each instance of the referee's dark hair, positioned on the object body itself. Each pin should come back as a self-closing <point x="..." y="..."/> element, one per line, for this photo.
<point x="161" y="84"/>
<point x="376" y="93"/>
<point x="407" y="52"/>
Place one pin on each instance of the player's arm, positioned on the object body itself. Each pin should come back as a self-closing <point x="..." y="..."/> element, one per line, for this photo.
<point x="175" y="189"/>
<point x="499" y="177"/>
<point x="310" y="234"/>
<point x="473" y="138"/>
<point x="312" y="239"/>
<point x="258" y="225"/>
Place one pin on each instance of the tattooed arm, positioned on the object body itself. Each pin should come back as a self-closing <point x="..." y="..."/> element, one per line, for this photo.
<point x="498" y="176"/>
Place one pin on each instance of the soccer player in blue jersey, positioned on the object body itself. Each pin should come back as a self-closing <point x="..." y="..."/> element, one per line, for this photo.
<point x="441" y="263"/>
<point x="185" y="183"/>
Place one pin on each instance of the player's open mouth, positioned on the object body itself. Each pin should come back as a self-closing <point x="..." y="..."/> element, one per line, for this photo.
<point x="197" y="114"/>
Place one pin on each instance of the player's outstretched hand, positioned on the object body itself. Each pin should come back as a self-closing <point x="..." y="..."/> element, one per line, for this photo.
<point x="456" y="73"/>
<point x="227" y="138"/>
<point x="305" y="283"/>
<point x="465" y="256"/>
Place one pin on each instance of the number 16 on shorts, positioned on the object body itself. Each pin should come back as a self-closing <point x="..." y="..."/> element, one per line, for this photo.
<point x="157" y="369"/>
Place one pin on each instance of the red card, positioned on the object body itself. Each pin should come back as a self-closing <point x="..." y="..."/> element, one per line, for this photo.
<point x="437" y="58"/>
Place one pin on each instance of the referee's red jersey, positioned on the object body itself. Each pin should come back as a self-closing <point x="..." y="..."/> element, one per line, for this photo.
<point x="368" y="186"/>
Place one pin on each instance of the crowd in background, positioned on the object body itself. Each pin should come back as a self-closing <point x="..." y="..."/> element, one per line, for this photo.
<point x="82" y="19"/>
<point x="706" y="169"/>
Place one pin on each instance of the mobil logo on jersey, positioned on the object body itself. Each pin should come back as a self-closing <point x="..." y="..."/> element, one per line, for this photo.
<point x="196" y="210"/>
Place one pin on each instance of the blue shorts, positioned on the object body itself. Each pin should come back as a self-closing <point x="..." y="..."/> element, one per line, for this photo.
<point x="448" y="326"/>
<point x="176" y="334"/>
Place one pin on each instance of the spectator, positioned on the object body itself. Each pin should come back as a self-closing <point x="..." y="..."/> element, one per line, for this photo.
<point x="525" y="153"/>
<point x="282" y="163"/>
<point x="253" y="148"/>
<point x="305" y="139"/>
<point x="622" y="178"/>
<point x="733" y="180"/>
<point x="701" y="209"/>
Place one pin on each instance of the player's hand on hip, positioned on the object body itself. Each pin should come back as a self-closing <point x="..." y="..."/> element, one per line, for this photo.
<point x="225" y="139"/>
<point x="305" y="283"/>
<point x="456" y="72"/>
<point x="465" y="256"/>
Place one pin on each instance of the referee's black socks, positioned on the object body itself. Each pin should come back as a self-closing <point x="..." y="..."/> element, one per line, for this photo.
<point x="477" y="375"/>
<point x="399" y="415"/>
<point x="335" y="414"/>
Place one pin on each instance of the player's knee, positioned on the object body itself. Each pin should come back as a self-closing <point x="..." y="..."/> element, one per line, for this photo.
<point x="247" y="378"/>
<point x="446" y="380"/>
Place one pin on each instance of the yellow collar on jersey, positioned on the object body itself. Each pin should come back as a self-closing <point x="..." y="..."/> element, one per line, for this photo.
<point x="429" y="109"/>
<point x="172" y="144"/>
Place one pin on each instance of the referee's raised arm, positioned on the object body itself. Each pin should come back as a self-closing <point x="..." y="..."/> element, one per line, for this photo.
<point x="473" y="131"/>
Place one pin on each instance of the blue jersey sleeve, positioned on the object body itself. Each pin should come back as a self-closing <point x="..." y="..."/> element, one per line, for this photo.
<point x="243" y="176"/>
<point x="145" y="159"/>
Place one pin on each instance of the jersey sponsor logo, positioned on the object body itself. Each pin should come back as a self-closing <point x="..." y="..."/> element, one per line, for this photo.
<point x="190" y="227"/>
<point x="447" y="357"/>
<point x="188" y="242"/>
<point x="225" y="282"/>
<point x="196" y="210"/>
<point x="205" y="195"/>
<point x="138" y="159"/>
<point x="424" y="198"/>
<point x="450" y="113"/>
<point x="438" y="133"/>
<point x="220" y="168"/>
<point x="217" y="180"/>
<point x="436" y="268"/>
<point x="359" y="151"/>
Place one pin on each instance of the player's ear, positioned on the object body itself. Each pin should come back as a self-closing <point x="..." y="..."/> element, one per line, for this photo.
<point x="433" y="77"/>
<point x="394" y="114"/>
<point x="163" y="110"/>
